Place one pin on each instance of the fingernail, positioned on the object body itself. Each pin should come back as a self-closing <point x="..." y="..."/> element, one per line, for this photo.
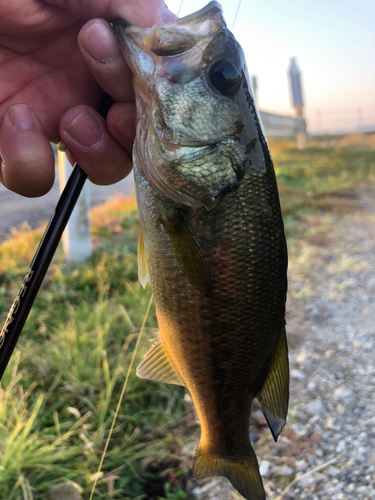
<point x="99" y="41"/>
<point x="166" y="15"/>
<point x="21" y="117"/>
<point x="84" y="129"/>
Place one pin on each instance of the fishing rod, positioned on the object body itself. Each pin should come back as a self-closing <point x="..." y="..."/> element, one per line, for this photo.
<point x="29" y="289"/>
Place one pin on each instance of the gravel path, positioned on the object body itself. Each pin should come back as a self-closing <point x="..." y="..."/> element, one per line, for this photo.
<point x="327" y="450"/>
<point x="333" y="354"/>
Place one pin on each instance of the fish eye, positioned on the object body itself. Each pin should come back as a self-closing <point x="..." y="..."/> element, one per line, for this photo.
<point x="225" y="77"/>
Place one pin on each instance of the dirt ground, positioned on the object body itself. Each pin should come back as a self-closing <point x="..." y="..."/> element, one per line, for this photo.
<point x="327" y="449"/>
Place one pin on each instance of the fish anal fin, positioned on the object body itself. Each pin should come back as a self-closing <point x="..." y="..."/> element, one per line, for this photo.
<point x="143" y="273"/>
<point x="242" y="472"/>
<point x="156" y="365"/>
<point x="188" y="253"/>
<point x="273" y="396"/>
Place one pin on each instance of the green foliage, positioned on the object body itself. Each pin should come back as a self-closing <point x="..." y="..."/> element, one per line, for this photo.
<point x="59" y="394"/>
<point x="323" y="176"/>
<point x="305" y="176"/>
<point x="173" y="493"/>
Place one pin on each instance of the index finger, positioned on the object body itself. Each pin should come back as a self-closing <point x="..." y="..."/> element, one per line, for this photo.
<point x="143" y="13"/>
<point x="102" y="54"/>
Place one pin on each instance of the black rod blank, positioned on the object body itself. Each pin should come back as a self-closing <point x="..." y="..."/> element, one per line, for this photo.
<point x="34" y="277"/>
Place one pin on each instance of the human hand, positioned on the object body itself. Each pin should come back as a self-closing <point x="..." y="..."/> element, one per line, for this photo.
<point x="54" y="70"/>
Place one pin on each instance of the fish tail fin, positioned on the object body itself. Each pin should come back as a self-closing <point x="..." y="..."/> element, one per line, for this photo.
<point x="242" y="472"/>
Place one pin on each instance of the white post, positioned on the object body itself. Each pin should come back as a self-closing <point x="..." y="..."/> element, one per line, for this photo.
<point x="77" y="242"/>
<point x="295" y="83"/>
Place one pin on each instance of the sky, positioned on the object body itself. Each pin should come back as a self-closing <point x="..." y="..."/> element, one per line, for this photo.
<point x="334" y="42"/>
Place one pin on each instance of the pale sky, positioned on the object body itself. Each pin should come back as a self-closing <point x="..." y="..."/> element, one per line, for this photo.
<point x="334" y="42"/>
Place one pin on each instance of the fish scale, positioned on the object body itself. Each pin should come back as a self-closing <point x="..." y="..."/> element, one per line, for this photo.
<point x="212" y="244"/>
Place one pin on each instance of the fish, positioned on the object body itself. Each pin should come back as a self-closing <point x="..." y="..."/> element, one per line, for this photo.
<point x="211" y="237"/>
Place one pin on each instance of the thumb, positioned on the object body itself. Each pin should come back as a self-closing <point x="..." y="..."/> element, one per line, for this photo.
<point x="144" y="13"/>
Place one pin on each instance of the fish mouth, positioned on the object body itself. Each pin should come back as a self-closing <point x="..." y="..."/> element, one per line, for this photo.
<point x="177" y="36"/>
<point x="174" y="50"/>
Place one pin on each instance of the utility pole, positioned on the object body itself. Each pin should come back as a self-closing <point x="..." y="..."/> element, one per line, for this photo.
<point x="76" y="238"/>
<point x="297" y="101"/>
<point x="254" y="86"/>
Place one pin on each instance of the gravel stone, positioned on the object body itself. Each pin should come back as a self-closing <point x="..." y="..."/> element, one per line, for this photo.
<point x="297" y="375"/>
<point x="285" y="470"/>
<point x="264" y="468"/>
<point x="315" y="407"/>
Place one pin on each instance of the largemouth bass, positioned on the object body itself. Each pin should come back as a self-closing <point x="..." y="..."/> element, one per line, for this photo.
<point x="211" y="237"/>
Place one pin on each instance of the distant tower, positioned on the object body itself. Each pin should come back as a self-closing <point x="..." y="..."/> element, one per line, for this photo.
<point x="297" y="101"/>
<point x="254" y="86"/>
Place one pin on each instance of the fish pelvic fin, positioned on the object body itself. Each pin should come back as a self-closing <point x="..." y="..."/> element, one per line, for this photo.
<point x="242" y="472"/>
<point x="156" y="365"/>
<point x="273" y="396"/>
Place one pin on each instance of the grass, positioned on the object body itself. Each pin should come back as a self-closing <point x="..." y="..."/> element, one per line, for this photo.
<point x="59" y="393"/>
<point x="307" y="177"/>
<point x="323" y="177"/>
<point x="61" y="388"/>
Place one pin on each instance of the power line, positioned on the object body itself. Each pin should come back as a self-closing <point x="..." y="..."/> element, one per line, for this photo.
<point x="179" y="10"/>
<point x="235" y="17"/>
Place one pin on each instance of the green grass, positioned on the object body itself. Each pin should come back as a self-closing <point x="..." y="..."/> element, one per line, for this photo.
<point x="322" y="177"/>
<point x="62" y="386"/>
<point x="305" y="176"/>
<point x="60" y="391"/>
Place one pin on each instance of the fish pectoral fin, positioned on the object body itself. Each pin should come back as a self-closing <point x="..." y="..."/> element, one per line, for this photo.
<point x="143" y="273"/>
<point x="188" y="253"/>
<point x="156" y="365"/>
<point x="242" y="472"/>
<point x="273" y="396"/>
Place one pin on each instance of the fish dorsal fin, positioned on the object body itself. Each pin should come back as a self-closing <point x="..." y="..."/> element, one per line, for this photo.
<point x="156" y="365"/>
<point x="274" y="393"/>
<point x="188" y="252"/>
<point x="143" y="273"/>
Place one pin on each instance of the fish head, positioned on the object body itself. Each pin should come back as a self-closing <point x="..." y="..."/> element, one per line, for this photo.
<point x="197" y="124"/>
